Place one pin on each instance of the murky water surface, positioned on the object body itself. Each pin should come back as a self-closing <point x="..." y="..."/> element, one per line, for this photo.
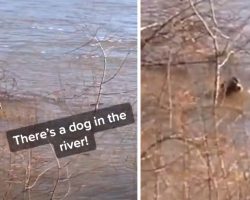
<point x="176" y="107"/>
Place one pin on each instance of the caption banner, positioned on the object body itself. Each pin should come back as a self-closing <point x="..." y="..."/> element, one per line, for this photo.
<point x="71" y="135"/>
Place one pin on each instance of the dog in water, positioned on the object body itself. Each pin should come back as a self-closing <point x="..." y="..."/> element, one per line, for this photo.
<point x="231" y="92"/>
<point x="230" y="87"/>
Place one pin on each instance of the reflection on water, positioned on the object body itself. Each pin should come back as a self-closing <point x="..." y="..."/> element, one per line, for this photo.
<point x="47" y="72"/>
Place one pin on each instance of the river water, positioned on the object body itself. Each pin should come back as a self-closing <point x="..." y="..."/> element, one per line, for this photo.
<point x="51" y="65"/>
<point x="170" y="169"/>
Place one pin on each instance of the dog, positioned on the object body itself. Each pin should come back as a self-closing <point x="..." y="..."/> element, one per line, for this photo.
<point x="230" y="87"/>
<point x="231" y="92"/>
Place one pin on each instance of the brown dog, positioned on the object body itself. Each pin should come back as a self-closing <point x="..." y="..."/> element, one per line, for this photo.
<point x="232" y="86"/>
<point x="231" y="92"/>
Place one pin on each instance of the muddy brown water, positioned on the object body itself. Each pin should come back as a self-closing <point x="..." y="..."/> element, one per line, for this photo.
<point x="232" y="125"/>
<point x="170" y="170"/>
<point x="45" y="74"/>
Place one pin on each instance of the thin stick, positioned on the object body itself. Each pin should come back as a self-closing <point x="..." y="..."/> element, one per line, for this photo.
<point x="103" y="73"/>
<point x="211" y="2"/>
<point x="58" y="172"/>
<point x="154" y="34"/>
<point x="121" y="65"/>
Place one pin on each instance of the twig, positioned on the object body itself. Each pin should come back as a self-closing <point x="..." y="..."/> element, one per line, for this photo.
<point x="154" y="34"/>
<point x="58" y="172"/>
<point x="80" y="47"/>
<point x="216" y="50"/>
<point x="211" y="2"/>
<point x="38" y="177"/>
<point x="120" y="67"/>
<point x="170" y="92"/>
<point x="28" y="172"/>
<point x="69" y="184"/>
<point x="166" y="82"/>
<point x="103" y="73"/>
<point x="226" y="59"/>
<point x="149" y="26"/>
